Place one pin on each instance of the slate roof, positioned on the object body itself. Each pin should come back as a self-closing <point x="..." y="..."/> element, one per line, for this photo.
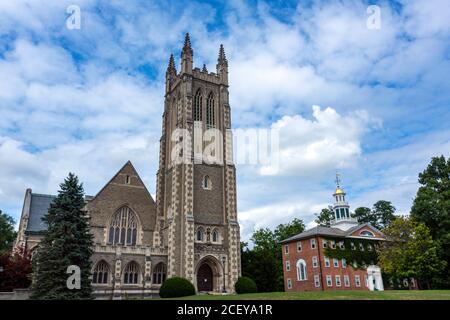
<point x="324" y="231"/>
<point x="40" y="203"/>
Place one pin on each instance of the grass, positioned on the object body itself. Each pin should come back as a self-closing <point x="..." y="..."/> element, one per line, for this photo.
<point x="332" y="295"/>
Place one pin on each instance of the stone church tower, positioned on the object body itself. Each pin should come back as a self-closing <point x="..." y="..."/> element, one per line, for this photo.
<point x="196" y="180"/>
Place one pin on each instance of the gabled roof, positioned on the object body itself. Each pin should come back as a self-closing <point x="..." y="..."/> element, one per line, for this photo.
<point x="128" y="163"/>
<point x="330" y="231"/>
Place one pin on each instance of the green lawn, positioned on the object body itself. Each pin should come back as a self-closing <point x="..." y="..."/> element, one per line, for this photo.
<point x="333" y="295"/>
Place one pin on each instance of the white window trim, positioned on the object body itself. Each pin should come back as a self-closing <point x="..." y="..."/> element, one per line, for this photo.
<point x="286" y="248"/>
<point x="299" y="246"/>
<point x="344" y="263"/>
<point x="357" y="282"/>
<point x="335" y="263"/>
<point x="303" y="262"/>
<point x="288" y="265"/>
<point x="324" y="244"/>
<point x="330" y="283"/>
<point x="338" y="283"/>
<point x="346" y="281"/>
<point x="289" y="283"/>
<point x="316" y="281"/>
<point x="313" y="243"/>
<point x="327" y="262"/>
<point x="315" y="262"/>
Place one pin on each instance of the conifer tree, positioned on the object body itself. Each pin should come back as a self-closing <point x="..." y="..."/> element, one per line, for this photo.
<point x="67" y="242"/>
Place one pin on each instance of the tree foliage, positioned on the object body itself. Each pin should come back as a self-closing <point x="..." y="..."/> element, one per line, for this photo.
<point x="410" y="252"/>
<point x="67" y="242"/>
<point x="16" y="272"/>
<point x="7" y="233"/>
<point x="324" y="217"/>
<point x="176" y="287"/>
<point x="432" y="208"/>
<point x="380" y="216"/>
<point x="245" y="285"/>
<point x="263" y="262"/>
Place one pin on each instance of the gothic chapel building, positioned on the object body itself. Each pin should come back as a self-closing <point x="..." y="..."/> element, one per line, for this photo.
<point x="191" y="230"/>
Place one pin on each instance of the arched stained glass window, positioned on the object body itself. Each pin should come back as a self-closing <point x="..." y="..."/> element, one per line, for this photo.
<point x="198" y="106"/>
<point x="131" y="273"/>
<point x="210" y="115"/>
<point x="123" y="228"/>
<point x="159" y="273"/>
<point x="101" y="272"/>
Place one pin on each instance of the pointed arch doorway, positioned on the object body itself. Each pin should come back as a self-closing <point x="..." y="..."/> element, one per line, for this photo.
<point x="205" y="278"/>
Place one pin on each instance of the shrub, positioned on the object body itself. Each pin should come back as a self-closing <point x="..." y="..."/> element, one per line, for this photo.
<point x="176" y="287"/>
<point x="245" y="285"/>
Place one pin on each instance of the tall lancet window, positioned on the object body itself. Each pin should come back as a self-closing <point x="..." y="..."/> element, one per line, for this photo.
<point x="123" y="228"/>
<point x="210" y="117"/>
<point x="198" y="106"/>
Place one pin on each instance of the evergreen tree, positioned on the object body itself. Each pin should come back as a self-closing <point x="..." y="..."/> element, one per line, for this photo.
<point x="384" y="211"/>
<point x="324" y="217"/>
<point x="67" y="242"/>
<point x="432" y="207"/>
<point x="365" y="215"/>
<point x="7" y="233"/>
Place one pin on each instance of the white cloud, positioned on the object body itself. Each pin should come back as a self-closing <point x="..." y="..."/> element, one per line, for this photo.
<point x="328" y="141"/>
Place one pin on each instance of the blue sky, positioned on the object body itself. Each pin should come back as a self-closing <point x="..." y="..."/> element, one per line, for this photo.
<point x="371" y="103"/>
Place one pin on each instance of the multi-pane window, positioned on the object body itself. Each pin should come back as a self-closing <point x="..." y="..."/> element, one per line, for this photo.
<point x="314" y="262"/>
<point x="100" y="274"/>
<point x="286" y="248"/>
<point x="210" y="116"/>
<point x="335" y="262"/>
<point x="352" y="246"/>
<point x="301" y="270"/>
<point x="316" y="281"/>
<point x="198" y="100"/>
<point x="337" y="280"/>
<point x="329" y="281"/>
<point x="288" y="266"/>
<point x="159" y="273"/>
<point x="324" y="243"/>
<point x="131" y="273"/>
<point x="313" y="243"/>
<point x="341" y="245"/>
<point x="123" y="228"/>
<point x="299" y="246"/>
<point x="346" y="281"/>
<point x="289" y="283"/>
<point x="333" y="244"/>
<point x="327" y="262"/>
<point x="361" y="246"/>
<point x="357" y="281"/>
<point x="344" y="263"/>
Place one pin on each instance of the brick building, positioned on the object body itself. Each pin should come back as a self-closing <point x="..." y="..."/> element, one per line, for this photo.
<point x="191" y="230"/>
<point x="306" y="266"/>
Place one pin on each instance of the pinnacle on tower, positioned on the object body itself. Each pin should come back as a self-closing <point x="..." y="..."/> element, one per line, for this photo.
<point x="204" y="68"/>
<point x="222" y="58"/>
<point x="171" y="67"/>
<point x="187" y="45"/>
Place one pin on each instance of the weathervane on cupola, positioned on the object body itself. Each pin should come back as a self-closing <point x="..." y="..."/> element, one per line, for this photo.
<point x="342" y="217"/>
